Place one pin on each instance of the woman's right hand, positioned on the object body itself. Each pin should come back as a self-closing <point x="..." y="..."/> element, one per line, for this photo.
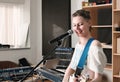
<point x="73" y="79"/>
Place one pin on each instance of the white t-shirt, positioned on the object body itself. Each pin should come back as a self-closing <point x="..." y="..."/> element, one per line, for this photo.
<point x="96" y="59"/>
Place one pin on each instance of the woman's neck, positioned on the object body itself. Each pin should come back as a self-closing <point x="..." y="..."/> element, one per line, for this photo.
<point x="83" y="40"/>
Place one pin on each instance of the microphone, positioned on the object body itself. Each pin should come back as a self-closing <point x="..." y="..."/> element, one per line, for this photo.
<point x="68" y="33"/>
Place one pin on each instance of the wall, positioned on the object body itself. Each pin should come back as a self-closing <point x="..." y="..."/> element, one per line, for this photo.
<point x="55" y="22"/>
<point x="33" y="55"/>
<point x="75" y="5"/>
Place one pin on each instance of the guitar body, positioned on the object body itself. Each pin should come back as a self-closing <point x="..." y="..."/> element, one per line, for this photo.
<point x="82" y="78"/>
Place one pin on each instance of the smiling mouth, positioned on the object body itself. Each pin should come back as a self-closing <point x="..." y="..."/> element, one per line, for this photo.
<point x="79" y="32"/>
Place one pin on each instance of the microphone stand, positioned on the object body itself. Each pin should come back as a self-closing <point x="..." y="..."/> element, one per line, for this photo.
<point x="49" y="54"/>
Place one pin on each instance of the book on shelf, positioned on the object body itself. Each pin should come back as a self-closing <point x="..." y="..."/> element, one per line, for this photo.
<point x="118" y="45"/>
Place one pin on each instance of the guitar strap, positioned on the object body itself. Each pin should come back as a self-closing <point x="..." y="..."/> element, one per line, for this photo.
<point x="83" y="58"/>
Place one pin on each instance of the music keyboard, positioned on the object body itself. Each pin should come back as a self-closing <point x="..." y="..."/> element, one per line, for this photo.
<point x="14" y="74"/>
<point x="51" y="74"/>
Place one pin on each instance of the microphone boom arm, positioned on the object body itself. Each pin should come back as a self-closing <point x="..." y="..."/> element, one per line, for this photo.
<point x="69" y="32"/>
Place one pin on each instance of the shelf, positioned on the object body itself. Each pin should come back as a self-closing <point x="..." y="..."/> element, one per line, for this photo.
<point x="108" y="67"/>
<point x="117" y="76"/>
<point x="98" y="6"/>
<point x="116" y="10"/>
<point x="95" y="26"/>
<point x="98" y="14"/>
<point x="117" y="54"/>
<point x="104" y="45"/>
<point x="116" y="32"/>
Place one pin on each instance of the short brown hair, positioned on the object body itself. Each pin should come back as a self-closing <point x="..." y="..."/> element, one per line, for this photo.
<point x="85" y="14"/>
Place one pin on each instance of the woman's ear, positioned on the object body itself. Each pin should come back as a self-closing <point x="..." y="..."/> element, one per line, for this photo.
<point x="90" y="23"/>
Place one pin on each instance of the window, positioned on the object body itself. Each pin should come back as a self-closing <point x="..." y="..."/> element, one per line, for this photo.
<point x="14" y="22"/>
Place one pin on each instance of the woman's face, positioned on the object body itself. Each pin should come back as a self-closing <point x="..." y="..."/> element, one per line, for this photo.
<point x="81" y="26"/>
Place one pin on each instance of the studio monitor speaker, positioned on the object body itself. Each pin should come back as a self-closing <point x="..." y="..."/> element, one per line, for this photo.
<point x="23" y="62"/>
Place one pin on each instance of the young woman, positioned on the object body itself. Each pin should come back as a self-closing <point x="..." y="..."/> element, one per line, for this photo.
<point x="96" y="59"/>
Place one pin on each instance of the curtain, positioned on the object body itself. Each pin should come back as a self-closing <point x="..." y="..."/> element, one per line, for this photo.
<point x="14" y="23"/>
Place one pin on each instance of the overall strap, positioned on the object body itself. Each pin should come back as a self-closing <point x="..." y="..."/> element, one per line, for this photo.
<point x="84" y="54"/>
